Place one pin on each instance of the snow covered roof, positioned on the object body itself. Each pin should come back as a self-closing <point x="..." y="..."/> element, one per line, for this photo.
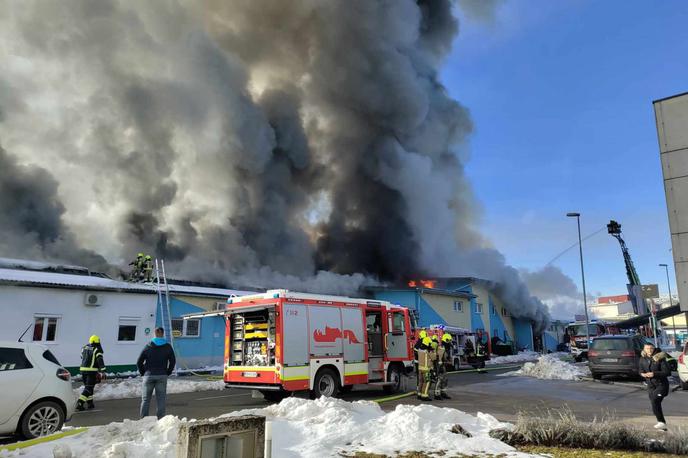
<point x="61" y="280"/>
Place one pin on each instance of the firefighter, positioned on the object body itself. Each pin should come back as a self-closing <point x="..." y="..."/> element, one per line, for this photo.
<point x="480" y="352"/>
<point x="148" y="269"/>
<point x="434" y="372"/>
<point x="424" y="368"/>
<point x="92" y="371"/>
<point x="443" y="359"/>
<point x="421" y="335"/>
<point x="137" y="269"/>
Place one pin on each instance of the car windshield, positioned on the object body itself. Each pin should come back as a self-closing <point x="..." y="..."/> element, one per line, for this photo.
<point x="611" y="344"/>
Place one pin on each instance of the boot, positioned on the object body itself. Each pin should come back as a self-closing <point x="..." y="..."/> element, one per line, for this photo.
<point x="425" y="398"/>
<point x="445" y="395"/>
<point x="90" y="405"/>
<point x="80" y="406"/>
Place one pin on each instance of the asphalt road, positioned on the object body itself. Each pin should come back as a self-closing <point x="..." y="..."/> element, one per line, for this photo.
<point x="503" y="397"/>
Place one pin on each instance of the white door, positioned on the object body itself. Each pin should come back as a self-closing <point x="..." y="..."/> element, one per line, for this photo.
<point x="19" y="378"/>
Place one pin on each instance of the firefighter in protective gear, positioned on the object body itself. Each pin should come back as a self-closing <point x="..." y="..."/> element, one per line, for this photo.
<point x="435" y="363"/>
<point x="92" y="367"/>
<point x="443" y="360"/>
<point x="425" y="353"/>
<point x="148" y="269"/>
<point x="137" y="269"/>
<point x="421" y="335"/>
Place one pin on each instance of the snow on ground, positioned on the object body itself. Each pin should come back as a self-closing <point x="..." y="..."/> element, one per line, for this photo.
<point x="517" y="358"/>
<point x="325" y="427"/>
<point x="551" y="367"/>
<point x="131" y="388"/>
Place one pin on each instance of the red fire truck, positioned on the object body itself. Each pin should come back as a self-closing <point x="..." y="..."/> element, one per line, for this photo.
<point x="280" y="341"/>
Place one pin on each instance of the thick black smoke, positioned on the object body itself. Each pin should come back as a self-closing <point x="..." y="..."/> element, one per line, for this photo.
<point x="304" y="144"/>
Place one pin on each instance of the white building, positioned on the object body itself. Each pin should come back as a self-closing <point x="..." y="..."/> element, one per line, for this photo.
<point x="62" y="310"/>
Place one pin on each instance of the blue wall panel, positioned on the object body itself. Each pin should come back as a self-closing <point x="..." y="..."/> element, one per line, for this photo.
<point x="524" y="333"/>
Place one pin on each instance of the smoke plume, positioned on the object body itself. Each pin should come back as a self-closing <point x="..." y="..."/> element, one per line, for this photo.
<point x="307" y="144"/>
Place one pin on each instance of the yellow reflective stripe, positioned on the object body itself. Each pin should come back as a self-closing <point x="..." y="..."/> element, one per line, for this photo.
<point x="88" y="369"/>
<point x="347" y="374"/>
<point x="296" y="377"/>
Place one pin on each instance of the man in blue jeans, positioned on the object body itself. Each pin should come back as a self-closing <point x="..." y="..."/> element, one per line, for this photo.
<point x="155" y="364"/>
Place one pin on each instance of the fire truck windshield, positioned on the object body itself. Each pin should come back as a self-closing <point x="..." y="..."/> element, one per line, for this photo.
<point x="578" y="330"/>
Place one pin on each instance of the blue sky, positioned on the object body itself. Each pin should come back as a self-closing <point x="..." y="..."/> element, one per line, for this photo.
<point x="561" y="96"/>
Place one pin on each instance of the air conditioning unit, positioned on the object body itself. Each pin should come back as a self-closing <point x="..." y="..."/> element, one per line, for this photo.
<point x="92" y="300"/>
<point x="220" y="305"/>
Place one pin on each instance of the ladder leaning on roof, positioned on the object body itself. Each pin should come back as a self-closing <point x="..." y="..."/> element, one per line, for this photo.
<point x="165" y="314"/>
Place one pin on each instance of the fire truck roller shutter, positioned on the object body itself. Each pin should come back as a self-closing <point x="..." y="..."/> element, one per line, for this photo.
<point x="353" y="340"/>
<point x="325" y="334"/>
<point x="295" y="337"/>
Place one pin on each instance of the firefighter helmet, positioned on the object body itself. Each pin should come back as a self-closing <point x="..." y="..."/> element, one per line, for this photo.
<point x="427" y="340"/>
<point x="446" y="337"/>
<point x="94" y="339"/>
<point x="140" y="255"/>
<point x="422" y="334"/>
<point x="148" y="257"/>
<point x="434" y="338"/>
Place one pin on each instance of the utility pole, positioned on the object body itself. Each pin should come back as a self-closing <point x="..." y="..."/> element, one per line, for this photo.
<point x="671" y="302"/>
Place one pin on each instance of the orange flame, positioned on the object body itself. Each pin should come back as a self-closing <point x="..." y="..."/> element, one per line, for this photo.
<point x="430" y="284"/>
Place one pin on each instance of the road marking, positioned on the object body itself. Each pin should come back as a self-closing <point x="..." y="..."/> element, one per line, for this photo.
<point x="225" y="396"/>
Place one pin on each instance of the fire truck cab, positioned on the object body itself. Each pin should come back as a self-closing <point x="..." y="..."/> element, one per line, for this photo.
<point x="281" y="342"/>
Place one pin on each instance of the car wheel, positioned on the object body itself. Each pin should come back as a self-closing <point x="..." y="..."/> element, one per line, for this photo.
<point x="274" y="396"/>
<point x="42" y="419"/>
<point x="596" y="376"/>
<point x="393" y="375"/>
<point x="326" y="384"/>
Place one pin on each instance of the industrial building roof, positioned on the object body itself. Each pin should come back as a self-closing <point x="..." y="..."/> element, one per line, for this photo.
<point x="442" y="292"/>
<point x="22" y="277"/>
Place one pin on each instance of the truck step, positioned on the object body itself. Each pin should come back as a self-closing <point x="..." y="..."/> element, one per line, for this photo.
<point x="381" y="383"/>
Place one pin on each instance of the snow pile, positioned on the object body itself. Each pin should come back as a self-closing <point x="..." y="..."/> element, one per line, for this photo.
<point x="326" y="427"/>
<point x="131" y="388"/>
<point x="131" y="439"/>
<point x="550" y="367"/>
<point x="517" y="358"/>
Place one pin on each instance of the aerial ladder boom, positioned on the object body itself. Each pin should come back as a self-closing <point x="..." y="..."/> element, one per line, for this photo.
<point x="634" y="286"/>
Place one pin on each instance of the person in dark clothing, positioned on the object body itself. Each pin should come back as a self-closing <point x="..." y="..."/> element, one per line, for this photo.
<point x="155" y="364"/>
<point x="92" y="367"/>
<point x="655" y="369"/>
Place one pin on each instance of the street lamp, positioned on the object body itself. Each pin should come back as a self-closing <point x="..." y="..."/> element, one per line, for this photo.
<point x="585" y="298"/>
<point x="671" y="301"/>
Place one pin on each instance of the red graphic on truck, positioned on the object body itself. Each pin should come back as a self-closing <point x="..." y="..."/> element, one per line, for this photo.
<point x="332" y="334"/>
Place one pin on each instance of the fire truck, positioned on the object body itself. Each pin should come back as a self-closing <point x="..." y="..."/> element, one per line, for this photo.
<point x="576" y="330"/>
<point x="280" y="342"/>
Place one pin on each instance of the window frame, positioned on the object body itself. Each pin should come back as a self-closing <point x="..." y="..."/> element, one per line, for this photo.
<point x="46" y="317"/>
<point x="505" y="312"/>
<point x="458" y="306"/>
<point x="185" y="324"/>
<point x="128" y="321"/>
<point x="479" y="307"/>
<point x="392" y="328"/>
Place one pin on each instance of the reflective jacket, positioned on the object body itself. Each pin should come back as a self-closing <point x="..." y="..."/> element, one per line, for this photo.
<point x="92" y="358"/>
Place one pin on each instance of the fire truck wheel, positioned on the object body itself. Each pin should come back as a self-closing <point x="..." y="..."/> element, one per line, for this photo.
<point x="393" y="375"/>
<point x="326" y="383"/>
<point x="274" y="396"/>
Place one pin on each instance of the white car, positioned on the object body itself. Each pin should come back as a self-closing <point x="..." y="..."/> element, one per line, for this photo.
<point x="36" y="395"/>
<point x="682" y="367"/>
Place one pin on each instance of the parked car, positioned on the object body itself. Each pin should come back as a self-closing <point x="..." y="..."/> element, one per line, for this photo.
<point x="619" y="355"/>
<point x="683" y="367"/>
<point x="36" y="395"/>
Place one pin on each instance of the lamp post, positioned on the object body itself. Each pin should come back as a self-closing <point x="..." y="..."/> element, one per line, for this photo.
<point x="671" y="302"/>
<point x="585" y="296"/>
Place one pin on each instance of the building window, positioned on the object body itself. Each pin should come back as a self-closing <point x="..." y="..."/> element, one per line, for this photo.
<point x="458" y="306"/>
<point x="186" y="328"/>
<point x="478" y="307"/>
<point x="44" y="329"/>
<point x="505" y="312"/>
<point x="127" y="329"/>
<point x="493" y="309"/>
<point x="13" y="359"/>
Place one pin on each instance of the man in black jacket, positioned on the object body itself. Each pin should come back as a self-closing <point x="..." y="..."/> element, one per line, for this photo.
<point x="655" y="369"/>
<point x="155" y="364"/>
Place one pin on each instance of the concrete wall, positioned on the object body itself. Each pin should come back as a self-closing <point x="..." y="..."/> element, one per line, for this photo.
<point x="19" y="305"/>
